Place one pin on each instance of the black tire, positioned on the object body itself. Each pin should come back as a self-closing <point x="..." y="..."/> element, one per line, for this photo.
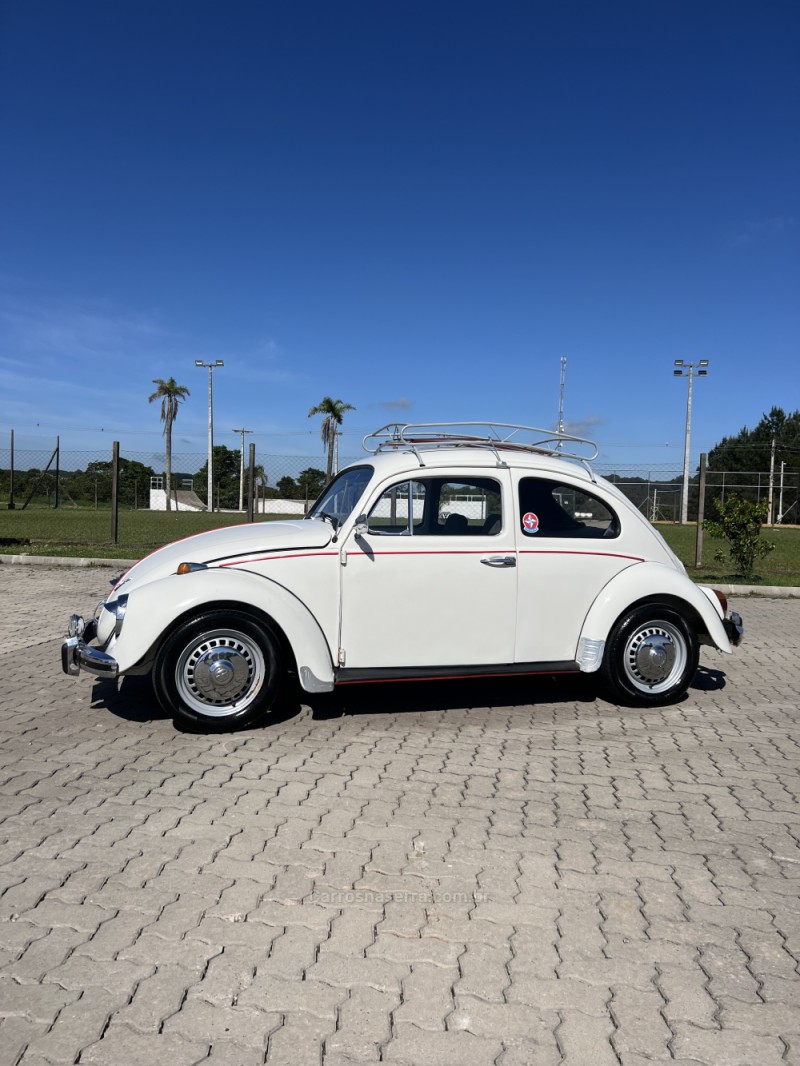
<point x="651" y="657"/>
<point x="219" y="671"/>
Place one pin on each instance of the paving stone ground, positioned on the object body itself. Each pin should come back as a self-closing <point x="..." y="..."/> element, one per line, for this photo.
<point x="509" y="873"/>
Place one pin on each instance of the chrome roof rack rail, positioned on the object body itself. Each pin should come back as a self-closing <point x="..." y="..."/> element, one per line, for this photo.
<point x="494" y="436"/>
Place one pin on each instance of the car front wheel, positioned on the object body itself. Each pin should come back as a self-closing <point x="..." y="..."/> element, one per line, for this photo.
<point x="651" y="657"/>
<point x="219" y="671"/>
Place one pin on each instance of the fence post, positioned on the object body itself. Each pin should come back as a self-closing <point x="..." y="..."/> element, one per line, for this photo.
<point x="58" y="472"/>
<point x="11" y="504"/>
<point x="115" y="493"/>
<point x="251" y="481"/>
<point x="701" y="508"/>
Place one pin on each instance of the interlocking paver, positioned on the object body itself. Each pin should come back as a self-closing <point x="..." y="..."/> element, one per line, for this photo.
<point x="447" y="874"/>
<point x="121" y="1044"/>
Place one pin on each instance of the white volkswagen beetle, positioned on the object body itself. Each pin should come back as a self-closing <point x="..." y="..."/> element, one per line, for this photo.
<point x="452" y="550"/>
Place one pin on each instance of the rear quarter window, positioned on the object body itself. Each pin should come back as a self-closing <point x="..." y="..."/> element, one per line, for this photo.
<point x="557" y="509"/>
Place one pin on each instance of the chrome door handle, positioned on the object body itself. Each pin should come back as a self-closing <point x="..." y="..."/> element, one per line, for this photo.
<point x="500" y="560"/>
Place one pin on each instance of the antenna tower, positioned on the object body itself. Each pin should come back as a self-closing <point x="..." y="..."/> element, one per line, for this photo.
<point x="561" y="395"/>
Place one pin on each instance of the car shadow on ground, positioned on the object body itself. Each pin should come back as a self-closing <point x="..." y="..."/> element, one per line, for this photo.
<point x="708" y="680"/>
<point x="414" y="697"/>
<point x="134" y="700"/>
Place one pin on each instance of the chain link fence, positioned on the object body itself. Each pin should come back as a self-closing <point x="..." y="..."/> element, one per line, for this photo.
<point x="38" y="478"/>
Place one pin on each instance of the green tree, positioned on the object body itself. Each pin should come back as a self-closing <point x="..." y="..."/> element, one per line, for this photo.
<point x="750" y="449"/>
<point x="226" y="466"/>
<point x="287" y="488"/>
<point x="134" y="481"/>
<point x="311" y="482"/>
<point x="333" y="411"/>
<point x="171" y="395"/>
<point x="739" y="522"/>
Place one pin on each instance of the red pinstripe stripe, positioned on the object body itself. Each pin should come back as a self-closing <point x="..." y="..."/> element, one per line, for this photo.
<point x="473" y="551"/>
<point x="278" y="556"/>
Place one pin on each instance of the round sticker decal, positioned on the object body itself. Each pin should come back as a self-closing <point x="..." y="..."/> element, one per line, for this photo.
<point x="530" y="522"/>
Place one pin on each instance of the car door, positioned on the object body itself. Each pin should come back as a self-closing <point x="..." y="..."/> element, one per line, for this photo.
<point x="570" y="545"/>
<point x="431" y="579"/>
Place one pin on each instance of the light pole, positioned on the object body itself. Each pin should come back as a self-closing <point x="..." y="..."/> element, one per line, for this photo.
<point x="241" y="467"/>
<point x="686" y="370"/>
<point x="210" y="367"/>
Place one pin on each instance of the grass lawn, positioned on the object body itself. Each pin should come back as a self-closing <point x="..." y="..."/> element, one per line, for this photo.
<point x="780" y="567"/>
<point x="87" y="533"/>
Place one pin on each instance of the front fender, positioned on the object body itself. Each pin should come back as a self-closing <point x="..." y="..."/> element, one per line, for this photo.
<point x="154" y="608"/>
<point x="646" y="581"/>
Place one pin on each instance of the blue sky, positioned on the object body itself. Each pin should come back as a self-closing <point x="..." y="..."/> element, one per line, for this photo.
<point x="416" y="207"/>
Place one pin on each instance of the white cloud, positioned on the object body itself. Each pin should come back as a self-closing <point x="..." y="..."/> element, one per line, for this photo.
<point x="755" y="232"/>
<point x="76" y="332"/>
<point x="582" y="427"/>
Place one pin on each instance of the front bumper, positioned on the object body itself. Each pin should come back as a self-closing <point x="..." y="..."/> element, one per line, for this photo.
<point x="77" y="654"/>
<point x="734" y="627"/>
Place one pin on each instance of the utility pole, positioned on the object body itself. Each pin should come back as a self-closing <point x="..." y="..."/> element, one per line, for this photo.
<point x="241" y="466"/>
<point x="770" y="520"/>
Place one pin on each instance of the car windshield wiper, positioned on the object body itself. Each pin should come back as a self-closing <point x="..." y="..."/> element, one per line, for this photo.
<point x="334" y="521"/>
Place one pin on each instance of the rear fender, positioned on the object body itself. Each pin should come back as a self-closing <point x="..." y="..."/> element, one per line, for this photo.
<point x="154" y="609"/>
<point x="637" y="584"/>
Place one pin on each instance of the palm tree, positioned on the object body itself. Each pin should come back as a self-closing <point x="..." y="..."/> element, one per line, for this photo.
<point x="333" y="410"/>
<point x="171" y="394"/>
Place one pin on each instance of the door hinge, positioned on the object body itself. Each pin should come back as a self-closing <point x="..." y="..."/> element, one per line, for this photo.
<point x="341" y="657"/>
<point x="343" y="556"/>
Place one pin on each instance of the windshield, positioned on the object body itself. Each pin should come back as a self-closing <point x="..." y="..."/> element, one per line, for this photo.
<point x="341" y="496"/>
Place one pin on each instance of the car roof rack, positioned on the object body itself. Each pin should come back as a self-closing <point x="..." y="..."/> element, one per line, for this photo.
<point x="497" y="437"/>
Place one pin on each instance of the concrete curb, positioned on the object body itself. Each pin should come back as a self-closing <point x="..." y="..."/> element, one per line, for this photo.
<point x="771" y="591"/>
<point x="59" y="560"/>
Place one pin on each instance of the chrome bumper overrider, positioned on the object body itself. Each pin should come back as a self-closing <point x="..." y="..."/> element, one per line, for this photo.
<point x="77" y="654"/>
<point x="734" y="627"/>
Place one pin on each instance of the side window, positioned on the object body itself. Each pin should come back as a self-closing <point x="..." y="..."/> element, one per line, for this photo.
<point x="554" y="509"/>
<point x="399" y="510"/>
<point x="468" y="508"/>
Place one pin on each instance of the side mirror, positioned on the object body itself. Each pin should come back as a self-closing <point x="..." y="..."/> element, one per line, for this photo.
<point x="362" y="526"/>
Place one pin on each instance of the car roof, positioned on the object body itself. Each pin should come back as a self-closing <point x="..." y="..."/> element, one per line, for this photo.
<point x="418" y="463"/>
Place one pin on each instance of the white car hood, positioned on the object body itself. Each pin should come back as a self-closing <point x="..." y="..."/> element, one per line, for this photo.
<point x="222" y="545"/>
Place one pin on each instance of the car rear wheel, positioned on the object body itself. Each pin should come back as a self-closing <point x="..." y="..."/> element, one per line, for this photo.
<point x="651" y="657"/>
<point x="219" y="671"/>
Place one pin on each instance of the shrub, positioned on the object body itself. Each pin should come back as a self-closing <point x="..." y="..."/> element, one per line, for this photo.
<point x="739" y="522"/>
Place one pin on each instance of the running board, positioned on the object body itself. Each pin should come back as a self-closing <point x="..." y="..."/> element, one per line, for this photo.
<point x="364" y="676"/>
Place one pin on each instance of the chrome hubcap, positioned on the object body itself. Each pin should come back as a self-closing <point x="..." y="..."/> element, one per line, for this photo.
<point x="655" y="657"/>
<point x="221" y="674"/>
